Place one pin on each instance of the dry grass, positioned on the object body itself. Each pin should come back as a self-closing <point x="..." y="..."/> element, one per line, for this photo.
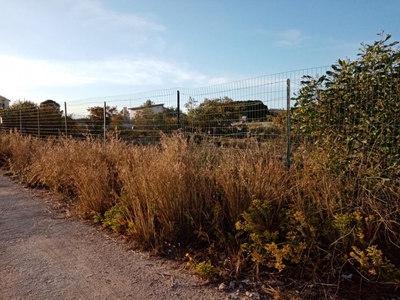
<point x="178" y="193"/>
<point x="18" y="152"/>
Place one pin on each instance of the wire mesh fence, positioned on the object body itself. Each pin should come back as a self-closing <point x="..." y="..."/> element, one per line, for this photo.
<point x="220" y="105"/>
<point x="246" y="111"/>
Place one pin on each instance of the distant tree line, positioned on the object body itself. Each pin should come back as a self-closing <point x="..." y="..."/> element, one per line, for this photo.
<point x="45" y="119"/>
<point x="212" y="116"/>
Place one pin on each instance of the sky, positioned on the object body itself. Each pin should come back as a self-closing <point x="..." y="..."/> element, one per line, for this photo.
<point x="68" y="50"/>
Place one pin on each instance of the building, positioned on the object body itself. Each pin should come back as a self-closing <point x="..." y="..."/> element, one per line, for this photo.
<point x="4" y="102"/>
<point x="126" y="114"/>
<point x="154" y="108"/>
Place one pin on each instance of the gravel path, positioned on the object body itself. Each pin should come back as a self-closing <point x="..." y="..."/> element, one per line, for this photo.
<point x="45" y="256"/>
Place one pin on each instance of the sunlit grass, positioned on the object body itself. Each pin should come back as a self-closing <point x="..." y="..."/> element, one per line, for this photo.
<point x="181" y="194"/>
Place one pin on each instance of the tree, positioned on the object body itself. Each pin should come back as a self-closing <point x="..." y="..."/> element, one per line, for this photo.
<point x="95" y="120"/>
<point x="191" y="104"/>
<point x="40" y="120"/>
<point x="217" y="115"/>
<point x="213" y="115"/>
<point x="50" y="118"/>
<point x="353" y="112"/>
<point x="51" y="103"/>
<point x="150" y="118"/>
<point x="170" y="118"/>
<point x="148" y="103"/>
<point x="147" y="119"/>
<point x="22" y="116"/>
<point x="117" y="120"/>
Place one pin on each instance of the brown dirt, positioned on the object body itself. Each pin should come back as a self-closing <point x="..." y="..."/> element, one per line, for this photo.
<point x="44" y="255"/>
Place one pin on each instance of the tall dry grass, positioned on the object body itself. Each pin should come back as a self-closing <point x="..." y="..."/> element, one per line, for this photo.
<point x="18" y="152"/>
<point x="179" y="193"/>
<point x="174" y="192"/>
<point x="82" y="170"/>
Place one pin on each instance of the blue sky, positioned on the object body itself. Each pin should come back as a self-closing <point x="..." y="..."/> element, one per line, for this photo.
<point x="75" y="49"/>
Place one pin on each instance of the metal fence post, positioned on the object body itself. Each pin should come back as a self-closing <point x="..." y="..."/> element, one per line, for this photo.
<point x="38" y="121"/>
<point x="288" y="124"/>
<point x="65" y="118"/>
<point x="104" y="117"/>
<point x="178" y="99"/>
<point x="20" y="121"/>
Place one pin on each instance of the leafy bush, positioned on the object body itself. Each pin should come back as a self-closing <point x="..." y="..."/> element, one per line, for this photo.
<point x="286" y="239"/>
<point x="353" y="112"/>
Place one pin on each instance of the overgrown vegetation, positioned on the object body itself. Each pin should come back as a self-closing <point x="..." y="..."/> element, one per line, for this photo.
<point x="352" y="112"/>
<point x="238" y="210"/>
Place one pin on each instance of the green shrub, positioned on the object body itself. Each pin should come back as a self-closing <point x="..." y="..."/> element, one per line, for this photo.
<point x="116" y="219"/>
<point x="353" y="111"/>
<point x="285" y="239"/>
<point x="205" y="270"/>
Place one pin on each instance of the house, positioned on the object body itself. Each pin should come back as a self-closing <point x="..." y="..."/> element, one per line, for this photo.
<point x="4" y="102"/>
<point x="154" y="108"/>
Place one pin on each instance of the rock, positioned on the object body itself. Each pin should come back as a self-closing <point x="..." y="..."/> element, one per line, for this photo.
<point x="222" y="286"/>
<point x="253" y="295"/>
<point x="232" y="285"/>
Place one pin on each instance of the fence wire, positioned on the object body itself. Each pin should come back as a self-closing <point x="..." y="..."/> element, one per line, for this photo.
<point x="247" y="111"/>
<point x="223" y="110"/>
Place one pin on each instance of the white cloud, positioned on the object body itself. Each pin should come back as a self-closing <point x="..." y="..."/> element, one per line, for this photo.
<point x="93" y="13"/>
<point x="78" y="29"/>
<point x="290" y="38"/>
<point x="283" y="38"/>
<point x="19" y="74"/>
<point x="65" y="47"/>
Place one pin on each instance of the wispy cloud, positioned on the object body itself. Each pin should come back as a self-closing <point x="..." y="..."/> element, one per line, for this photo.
<point x="290" y="38"/>
<point x="334" y="43"/>
<point x="283" y="38"/>
<point x="108" y="31"/>
<point x="94" y="13"/>
<point x="78" y="29"/>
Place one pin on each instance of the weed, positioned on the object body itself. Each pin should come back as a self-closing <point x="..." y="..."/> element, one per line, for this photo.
<point x="203" y="269"/>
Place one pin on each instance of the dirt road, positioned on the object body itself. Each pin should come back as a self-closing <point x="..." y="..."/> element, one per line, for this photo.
<point x="45" y="256"/>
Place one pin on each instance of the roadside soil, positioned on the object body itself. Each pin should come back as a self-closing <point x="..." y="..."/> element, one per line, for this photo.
<point x="45" y="255"/>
